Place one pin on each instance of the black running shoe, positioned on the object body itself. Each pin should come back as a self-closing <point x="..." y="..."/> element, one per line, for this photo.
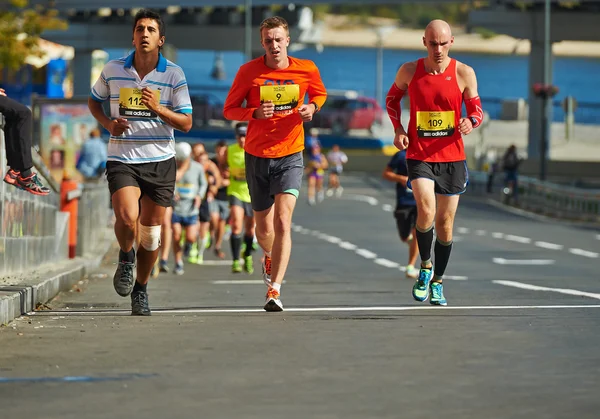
<point x="139" y="304"/>
<point x="124" y="278"/>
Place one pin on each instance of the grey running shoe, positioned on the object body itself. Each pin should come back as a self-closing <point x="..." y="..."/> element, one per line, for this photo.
<point x="124" y="278"/>
<point x="139" y="304"/>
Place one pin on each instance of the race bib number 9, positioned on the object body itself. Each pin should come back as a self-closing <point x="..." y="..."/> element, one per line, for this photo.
<point x="285" y="97"/>
<point x="435" y="124"/>
<point x="130" y="103"/>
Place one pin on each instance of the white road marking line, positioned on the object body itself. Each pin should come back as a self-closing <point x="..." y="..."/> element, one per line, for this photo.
<point x="387" y="208"/>
<point x="518" y="239"/>
<point x="597" y="236"/>
<point x="386" y="262"/>
<point x="347" y="245"/>
<point x="581" y="252"/>
<point x="480" y="232"/>
<point x="363" y="198"/>
<point x="538" y="288"/>
<point x="456" y="277"/>
<point x="216" y="262"/>
<point x="239" y="282"/>
<point x="497" y="235"/>
<point x="330" y="239"/>
<point x="367" y="254"/>
<point x="463" y="230"/>
<point x="502" y="261"/>
<point x="551" y="246"/>
<point x="457" y="238"/>
<point x="158" y="311"/>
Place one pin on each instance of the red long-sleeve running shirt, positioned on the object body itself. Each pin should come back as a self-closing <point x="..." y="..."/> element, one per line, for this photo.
<point x="283" y="134"/>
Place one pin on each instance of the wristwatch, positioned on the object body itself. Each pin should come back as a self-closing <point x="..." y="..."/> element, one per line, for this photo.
<point x="316" y="107"/>
<point x="473" y="121"/>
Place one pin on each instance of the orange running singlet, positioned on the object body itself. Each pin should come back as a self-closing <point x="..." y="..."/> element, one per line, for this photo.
<point x="435" y="109"/>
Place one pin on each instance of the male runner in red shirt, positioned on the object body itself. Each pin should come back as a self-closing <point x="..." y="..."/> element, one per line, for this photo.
<point x="437" y="86"/>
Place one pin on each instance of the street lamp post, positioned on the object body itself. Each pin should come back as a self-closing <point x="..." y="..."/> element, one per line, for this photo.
<point x="380" y="32"/>
<point x="546" y="98"/>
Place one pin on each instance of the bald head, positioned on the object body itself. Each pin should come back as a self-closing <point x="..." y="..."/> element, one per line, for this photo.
<point x="437" y="28"/>
<point x="438" y="39"/>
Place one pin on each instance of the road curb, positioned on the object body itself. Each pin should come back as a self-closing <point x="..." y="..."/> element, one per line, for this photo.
<point x="24" y="297"/>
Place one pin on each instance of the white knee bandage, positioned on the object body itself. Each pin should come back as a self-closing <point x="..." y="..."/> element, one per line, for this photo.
<point x="150" y="237"/>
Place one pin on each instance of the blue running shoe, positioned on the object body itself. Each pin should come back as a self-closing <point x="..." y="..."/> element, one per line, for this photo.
<point x="420" y="290"/>
<point x="437" y="294"/>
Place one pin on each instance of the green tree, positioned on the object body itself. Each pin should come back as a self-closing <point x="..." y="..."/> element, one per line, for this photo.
<point x="20" y="30"/>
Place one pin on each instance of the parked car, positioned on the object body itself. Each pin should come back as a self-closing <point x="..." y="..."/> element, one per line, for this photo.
<point x="346" y="111"/>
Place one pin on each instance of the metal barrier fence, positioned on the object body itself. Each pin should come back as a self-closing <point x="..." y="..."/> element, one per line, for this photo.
<point x="34" y="231"/>
<point x="543" y="197"/>
<point x="93" y="218"/>
<point x="585" y="113"/>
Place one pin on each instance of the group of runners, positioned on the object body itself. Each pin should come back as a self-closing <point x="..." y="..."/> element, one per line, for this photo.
<point x="258" y="178"/>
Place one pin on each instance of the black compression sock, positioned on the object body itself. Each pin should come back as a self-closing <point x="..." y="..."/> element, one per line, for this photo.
<point x="442" y="256"/>
<point x="127" y="257"/>
<point x="236" y="245"/>
<point x="425" y="239"/>
<point x="249" y="240"/>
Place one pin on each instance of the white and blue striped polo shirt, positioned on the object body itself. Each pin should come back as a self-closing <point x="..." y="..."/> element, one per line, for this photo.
<point x="148" y="139"/>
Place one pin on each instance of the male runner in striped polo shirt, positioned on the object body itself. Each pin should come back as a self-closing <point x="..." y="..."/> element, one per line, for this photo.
<point x="148" y="98"/>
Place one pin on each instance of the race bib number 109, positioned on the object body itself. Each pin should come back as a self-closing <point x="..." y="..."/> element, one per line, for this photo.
<point x="436" y="124"/>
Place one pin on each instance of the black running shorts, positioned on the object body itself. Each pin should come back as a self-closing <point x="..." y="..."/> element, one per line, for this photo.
<point x="450" y="178"/>
<point x="156" y="180"/>
<point x="406" y="220"/>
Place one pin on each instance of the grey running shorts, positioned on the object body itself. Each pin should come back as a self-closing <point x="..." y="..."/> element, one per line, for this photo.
<point x="237" y="202"/>
<point x="268" y="177"/>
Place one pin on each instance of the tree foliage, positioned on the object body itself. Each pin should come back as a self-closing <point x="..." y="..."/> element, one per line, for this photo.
<point x="20" y="30"/>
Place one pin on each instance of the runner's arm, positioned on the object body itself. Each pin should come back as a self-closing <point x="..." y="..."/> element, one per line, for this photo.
<point x="179" y="121"/>
<point x="202" y="184"/>
<point x="395" y="94"/>
<point x="389" y="174"/>
<point x="471" y="96"/>
<point x="180" y="117"/>
<point x="218" y="178"/>
<point x="233" y="110"/>
<point x="317" y="94"/>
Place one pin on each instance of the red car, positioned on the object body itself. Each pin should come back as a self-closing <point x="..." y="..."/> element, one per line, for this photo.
<point x="348" y="111"/>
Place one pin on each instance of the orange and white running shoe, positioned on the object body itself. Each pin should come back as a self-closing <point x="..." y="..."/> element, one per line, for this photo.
<point x="273" y="303"/>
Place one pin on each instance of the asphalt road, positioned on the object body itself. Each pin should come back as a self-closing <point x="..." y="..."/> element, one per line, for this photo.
<point x="519" y="338"/>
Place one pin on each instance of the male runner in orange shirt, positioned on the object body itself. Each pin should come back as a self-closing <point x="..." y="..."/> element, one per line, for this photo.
<point x="274" y="86"/>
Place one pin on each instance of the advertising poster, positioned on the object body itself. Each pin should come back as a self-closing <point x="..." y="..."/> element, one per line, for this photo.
<point x="63" y="127"/>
